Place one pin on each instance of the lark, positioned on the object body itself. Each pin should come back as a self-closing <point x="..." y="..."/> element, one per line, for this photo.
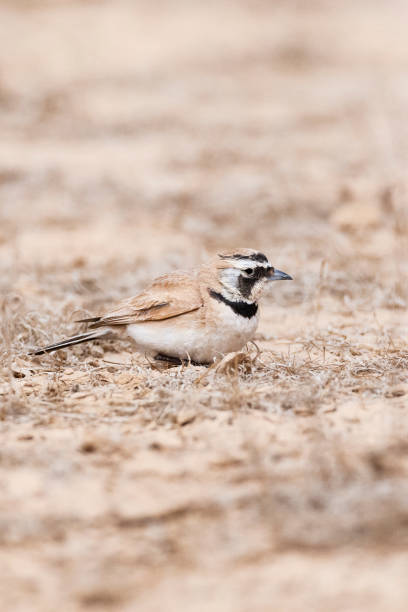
<point x="192" y="317"/>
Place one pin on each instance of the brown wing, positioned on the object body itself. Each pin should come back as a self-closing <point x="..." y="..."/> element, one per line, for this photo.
<point x="168" y="296"/>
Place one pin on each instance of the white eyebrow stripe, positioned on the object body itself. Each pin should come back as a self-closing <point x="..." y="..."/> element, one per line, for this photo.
<point x="247" y="263"/>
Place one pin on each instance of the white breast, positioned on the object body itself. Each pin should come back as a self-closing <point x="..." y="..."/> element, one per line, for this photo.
<point x="191" y="337"/>
<point x="233" y="330"/>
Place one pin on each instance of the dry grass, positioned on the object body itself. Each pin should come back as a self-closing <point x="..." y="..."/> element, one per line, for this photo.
<point x="135" y="138"/>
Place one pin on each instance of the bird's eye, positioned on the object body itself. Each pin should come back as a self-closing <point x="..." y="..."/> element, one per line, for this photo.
<point x="249" y="271"/>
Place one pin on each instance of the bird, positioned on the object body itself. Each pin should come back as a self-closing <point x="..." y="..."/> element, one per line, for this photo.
<point x="190" y="317"/>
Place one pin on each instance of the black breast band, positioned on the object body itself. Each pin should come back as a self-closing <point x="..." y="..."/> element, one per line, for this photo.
<point x="240" y="308"/>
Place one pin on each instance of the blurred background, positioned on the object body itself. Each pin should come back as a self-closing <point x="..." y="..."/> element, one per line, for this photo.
<point x="136" y="137"/>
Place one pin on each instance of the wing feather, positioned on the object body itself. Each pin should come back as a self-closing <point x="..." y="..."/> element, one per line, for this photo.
<point x="168" y="296"/>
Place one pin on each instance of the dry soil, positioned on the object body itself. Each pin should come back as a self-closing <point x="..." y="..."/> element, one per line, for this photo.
<point x="135" y="138"/>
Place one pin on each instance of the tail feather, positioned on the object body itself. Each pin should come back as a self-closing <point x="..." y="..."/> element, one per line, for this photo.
<point x="90" y="320"/>
<point x="93" y="322"/>
<point x="86" y="337"/>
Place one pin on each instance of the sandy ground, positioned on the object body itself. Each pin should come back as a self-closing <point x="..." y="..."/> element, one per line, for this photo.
<point x="136" y="138"/>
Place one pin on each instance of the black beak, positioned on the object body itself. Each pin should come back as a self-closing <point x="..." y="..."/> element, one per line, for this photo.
<point x="279" y="275"/>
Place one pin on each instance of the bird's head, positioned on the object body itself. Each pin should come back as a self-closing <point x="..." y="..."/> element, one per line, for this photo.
<point x="244" y="273"/>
